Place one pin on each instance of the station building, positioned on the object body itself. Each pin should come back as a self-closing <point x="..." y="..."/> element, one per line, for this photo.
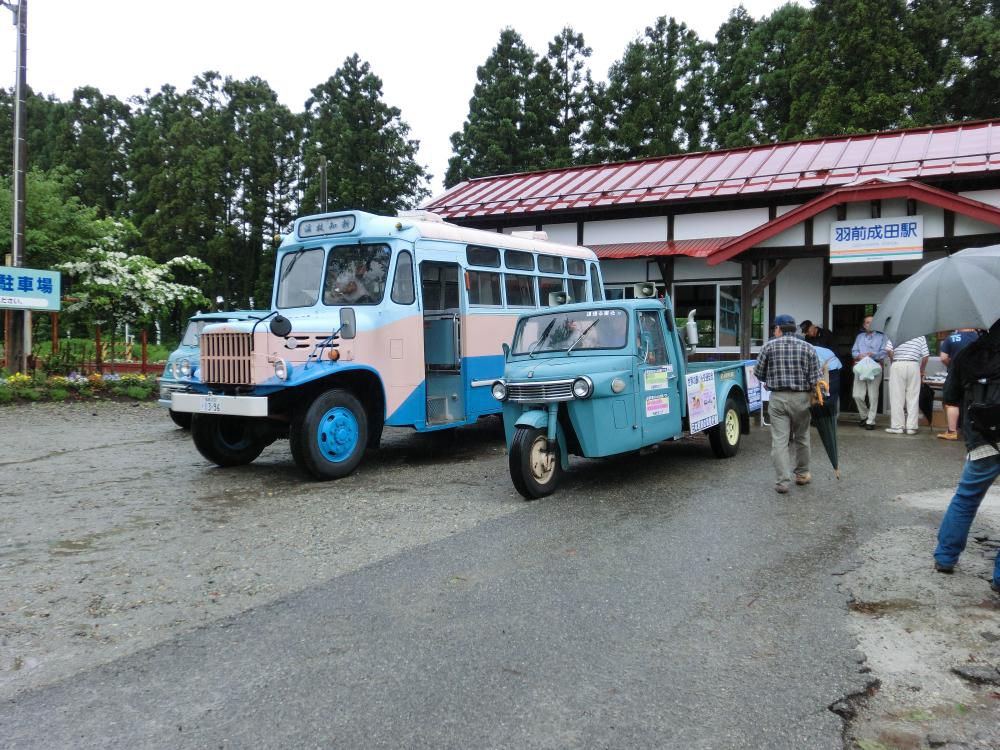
<point x="821" y="229"/>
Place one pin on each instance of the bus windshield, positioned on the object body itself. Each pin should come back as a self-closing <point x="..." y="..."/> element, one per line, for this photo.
<point x="356" y="275"/>
<point x="558" y="331"/>
<point x="301" y="273"/>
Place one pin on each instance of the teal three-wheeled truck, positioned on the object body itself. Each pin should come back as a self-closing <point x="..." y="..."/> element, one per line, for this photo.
<point x="605" y="378"/>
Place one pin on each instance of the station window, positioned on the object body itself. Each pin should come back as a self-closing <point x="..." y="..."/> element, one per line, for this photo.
<point x="519" y="260"/>
<point x="550" y="264"/>
<point x="520" y="290"/>
<point x="483" y="256"/>
<point x="484" y="288"/>
<point x="717" y="310"/>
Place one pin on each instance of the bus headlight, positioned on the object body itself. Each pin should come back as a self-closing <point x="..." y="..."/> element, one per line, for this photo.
<point x="617" y="385"/>
<point x="499" y="390"/>
<point x="282" y="369"/>
<point x="183" y="368"/>
<point x="583" y="387"/>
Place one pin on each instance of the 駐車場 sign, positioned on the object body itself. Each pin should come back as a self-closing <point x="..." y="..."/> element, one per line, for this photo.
<point x="29" y="289"/>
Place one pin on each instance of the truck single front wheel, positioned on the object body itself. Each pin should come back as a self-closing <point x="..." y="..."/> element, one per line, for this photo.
<point x="725" y="436"/>
<point x="534" y="469"/>
<point x="225" y="440"/>
<point x="329" y="437"/>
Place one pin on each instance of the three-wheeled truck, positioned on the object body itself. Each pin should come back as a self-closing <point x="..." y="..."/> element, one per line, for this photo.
<point x="600" y="379"/>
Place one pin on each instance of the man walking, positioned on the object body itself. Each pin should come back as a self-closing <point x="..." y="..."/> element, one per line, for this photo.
<point x="789" y="367"/>
<point x="974" y="376"/>
<point x="949" y="349"/>
<point x="872" y="344"/>
<point x="909" y="360"/>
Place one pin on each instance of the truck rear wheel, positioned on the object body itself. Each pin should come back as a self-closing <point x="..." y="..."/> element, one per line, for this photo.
<point x="328" y="438"/>
<point x="725" y="436"/>
<point x="227" y="441"/>
<point x="534" y="469"/>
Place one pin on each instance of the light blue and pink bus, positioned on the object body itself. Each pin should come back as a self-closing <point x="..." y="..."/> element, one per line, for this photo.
<point x="375" y="321"/>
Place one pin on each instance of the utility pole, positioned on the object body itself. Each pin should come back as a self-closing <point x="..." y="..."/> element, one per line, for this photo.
<point x="18" y="333"/>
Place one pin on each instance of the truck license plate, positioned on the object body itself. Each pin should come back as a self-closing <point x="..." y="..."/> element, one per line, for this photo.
<point x="210" y="405"/>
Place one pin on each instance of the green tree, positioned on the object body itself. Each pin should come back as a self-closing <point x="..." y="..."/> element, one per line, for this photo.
<point x="94" y="147"/>
<point x="371" y="161"/>
<point x="656" y="94"/>
<point x="499" y="135"/>
<point x="732" y="81"/>
<point x="559" y="86"/>
<point x="972" y="72"/>
<point x="857" y="69"/>
<point x="57" y="225"/>
<point x="775" y="44"/>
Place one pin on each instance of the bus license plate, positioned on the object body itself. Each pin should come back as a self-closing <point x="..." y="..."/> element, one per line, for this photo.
<point x="210" y="405"/>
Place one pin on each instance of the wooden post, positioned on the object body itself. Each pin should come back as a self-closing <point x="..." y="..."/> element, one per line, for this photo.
<point x="143" y="351"/>
<point x="746" y="308"/>
<point x="54" y="317"/>
<point x="98" y="364"/>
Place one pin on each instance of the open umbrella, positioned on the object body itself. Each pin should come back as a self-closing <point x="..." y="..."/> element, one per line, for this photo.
<point x="824" y="419"/>
<point x="960" y="291"/>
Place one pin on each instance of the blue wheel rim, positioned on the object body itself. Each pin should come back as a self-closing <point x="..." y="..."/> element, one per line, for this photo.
<point x="337" y="434"/>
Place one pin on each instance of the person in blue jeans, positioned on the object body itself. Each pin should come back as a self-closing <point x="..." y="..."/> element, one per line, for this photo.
<point x="982" y="465"/>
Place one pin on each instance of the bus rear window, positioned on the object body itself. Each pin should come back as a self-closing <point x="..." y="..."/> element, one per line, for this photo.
<point x="483" y="256"/>
<point x="519" y="260"/>
<point x="301" y="275"/>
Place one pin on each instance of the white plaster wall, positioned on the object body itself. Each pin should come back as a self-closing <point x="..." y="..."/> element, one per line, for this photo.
<point x="563" y="233"/>
<point x="840" y="270"/>
<point x="909" y="267"/>
<point x="647" y="229"/>
<point x="933" y="219"/>
<point x="894" y="207"/>
<point x="782" y="210"/>
<point x="686" y="269"/>
<point x="984" y="196"/>
<point x="862" y="294"/>
<point x="718" y="223"/>
<point x="967" y="225"/>
<point x="821" y="226"/>
<point x="529" y="228"/>
<point x="799" y="289"/>
<point x="795" y="235"/>
<point x="859" y="210"/>
<point x="628" y="271"/>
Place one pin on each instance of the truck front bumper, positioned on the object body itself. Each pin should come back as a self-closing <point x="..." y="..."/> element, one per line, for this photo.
<point x="236" y="406"/>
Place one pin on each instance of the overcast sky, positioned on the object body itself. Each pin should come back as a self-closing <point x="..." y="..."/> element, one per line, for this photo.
<point x="425" y="53"/>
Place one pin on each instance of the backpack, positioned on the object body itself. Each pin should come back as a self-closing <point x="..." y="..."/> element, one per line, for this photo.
<point x="981" y="371"/>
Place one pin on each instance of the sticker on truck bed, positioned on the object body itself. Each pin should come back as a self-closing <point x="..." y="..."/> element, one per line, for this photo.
<point x="702" y="410"/>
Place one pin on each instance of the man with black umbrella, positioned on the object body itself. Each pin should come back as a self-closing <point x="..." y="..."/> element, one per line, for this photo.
<point x="973" y="381"/>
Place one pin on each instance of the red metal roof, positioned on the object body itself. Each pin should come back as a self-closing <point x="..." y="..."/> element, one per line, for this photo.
<point x="933" y="151"/>
<point x="693" y="248"/>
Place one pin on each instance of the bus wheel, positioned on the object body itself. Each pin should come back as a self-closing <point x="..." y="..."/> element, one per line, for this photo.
<point x="329" y="437"/>
<point x="725" y="436"/>
<point x="534" y="469"/>
<point x="227" y="441"/>
<point x="181" y="418"/>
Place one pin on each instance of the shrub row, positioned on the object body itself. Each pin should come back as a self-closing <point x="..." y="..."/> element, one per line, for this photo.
<point x="75" y="387"/>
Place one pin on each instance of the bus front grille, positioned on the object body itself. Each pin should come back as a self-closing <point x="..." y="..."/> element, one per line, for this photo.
<point x="225" y="358"/>
<point x="553" y="390"/>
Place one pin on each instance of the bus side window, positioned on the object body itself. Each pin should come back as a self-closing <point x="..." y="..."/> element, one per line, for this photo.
<point x="546" y="286"/>
<point x="484" y="288"/>
<point x="402" y="281"/>
<point x="595" y="283"/>
<point x="520" y="290"/>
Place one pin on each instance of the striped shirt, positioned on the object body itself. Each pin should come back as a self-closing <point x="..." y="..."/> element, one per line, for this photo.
<point x="913" y="350"/>
<point x="788" y="363"/>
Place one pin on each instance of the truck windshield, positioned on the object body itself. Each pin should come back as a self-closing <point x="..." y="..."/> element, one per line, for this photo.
<point x="535" y="334"/>
<point x="301" y="274"/>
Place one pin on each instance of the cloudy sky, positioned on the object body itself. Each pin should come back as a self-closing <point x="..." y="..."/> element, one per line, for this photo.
<point x="425" y="53"/>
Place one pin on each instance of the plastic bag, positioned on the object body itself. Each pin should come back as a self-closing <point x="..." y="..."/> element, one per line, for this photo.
<point x="867" y="368"/>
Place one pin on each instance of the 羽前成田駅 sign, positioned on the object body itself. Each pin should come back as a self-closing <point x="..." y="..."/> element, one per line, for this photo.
<point x="29" y="289"/>
<point x="865" y="240"/>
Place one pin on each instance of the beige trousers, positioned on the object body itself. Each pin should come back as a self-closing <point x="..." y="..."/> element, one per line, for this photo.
<point x="904" y="394"/>
<point x="867" y="388"/>
<point x="789" y="411"/>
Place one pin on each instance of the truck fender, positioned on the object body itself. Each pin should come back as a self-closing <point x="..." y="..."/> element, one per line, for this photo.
<point x="539" y="419"/>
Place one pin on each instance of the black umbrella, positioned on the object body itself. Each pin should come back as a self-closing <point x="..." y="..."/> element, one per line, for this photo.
<point x="926" y="401"/>
<point x="824" y="418"/>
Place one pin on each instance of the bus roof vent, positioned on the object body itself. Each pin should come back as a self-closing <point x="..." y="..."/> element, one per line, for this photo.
<point x="419" y="216"/>
<point x="531" y="235"/>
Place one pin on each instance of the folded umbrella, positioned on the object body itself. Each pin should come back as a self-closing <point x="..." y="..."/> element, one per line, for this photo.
<point x="960" y="291"/>
<point x="824" y="418"/>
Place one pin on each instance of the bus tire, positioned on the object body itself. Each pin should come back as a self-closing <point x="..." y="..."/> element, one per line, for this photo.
<point x="533" y="469"/>
<point x="181" y="418"/>
<point x="226" y="440"/>
<point x="725" y="436"/>
<point x="329" y="437"/>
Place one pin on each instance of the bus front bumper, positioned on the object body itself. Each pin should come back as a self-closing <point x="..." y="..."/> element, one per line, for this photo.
<point x="236" y="406"/>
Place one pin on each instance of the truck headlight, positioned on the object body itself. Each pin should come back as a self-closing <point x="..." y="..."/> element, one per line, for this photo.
<point x="499" y="390"/>
<point x="583" y="387"/>
<point x="282" y="369"/>
<point x="183" y="368"/>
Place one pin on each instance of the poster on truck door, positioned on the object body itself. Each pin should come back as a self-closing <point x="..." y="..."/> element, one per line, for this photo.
<point x="703" y="412"/>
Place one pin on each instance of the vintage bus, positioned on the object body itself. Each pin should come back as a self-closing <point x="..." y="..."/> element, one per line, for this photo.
<point x="375" y="321"/>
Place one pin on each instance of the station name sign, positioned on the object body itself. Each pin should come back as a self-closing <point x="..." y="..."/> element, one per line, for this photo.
<point x="29" y="289"/>
<point x="867" y="240"/>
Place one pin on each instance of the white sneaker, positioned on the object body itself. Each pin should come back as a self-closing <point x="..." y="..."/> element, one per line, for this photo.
<point x="894" y="430"/>
<point x="911" y="432"/>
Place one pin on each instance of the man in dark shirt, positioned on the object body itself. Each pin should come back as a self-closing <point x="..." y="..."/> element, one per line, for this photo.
<point x="816" y="335"/>
<point x="949" y="349"/>
<point x="982" y="464"/>
<point x="789" y="367"/>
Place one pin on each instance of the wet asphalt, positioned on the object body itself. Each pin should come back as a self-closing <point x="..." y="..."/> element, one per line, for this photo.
<point x="663" y="600"/>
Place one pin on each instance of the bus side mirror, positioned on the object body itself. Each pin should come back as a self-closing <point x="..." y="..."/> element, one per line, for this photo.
<point x="348" y="323"/>
<point x="280" y="326"/>
<point x="506" y="350"/>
